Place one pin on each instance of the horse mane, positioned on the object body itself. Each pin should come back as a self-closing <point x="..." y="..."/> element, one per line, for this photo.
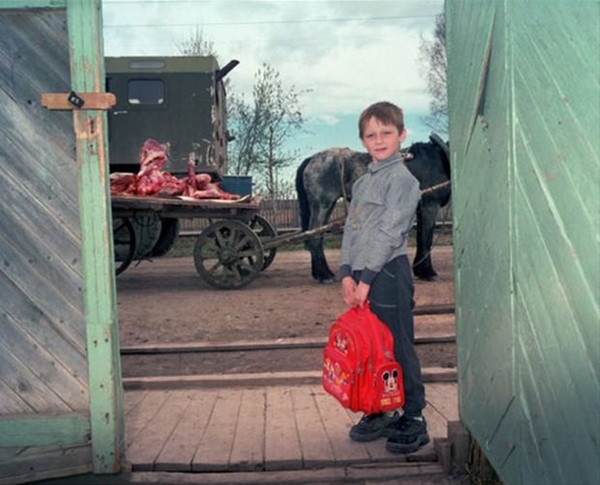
<point x="420" y="148"/>
<point x="302" y="198"/>
<point x="435" y="139"/>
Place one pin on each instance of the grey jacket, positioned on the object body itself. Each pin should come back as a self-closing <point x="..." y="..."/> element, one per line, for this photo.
<point x="384" y="201"/>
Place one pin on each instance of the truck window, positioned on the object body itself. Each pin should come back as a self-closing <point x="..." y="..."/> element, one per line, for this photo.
<point x="145" y="91"/>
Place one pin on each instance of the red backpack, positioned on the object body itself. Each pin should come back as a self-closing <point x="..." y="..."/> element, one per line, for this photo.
<point x="359" y="368"/>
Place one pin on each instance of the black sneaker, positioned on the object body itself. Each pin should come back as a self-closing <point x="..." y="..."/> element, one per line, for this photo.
<point x="373" y="426"/>
<point x="408" y="436"/>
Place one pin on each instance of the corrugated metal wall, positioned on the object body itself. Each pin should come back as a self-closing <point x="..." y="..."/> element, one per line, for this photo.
<point x="524" y="92"/>
<point x="43" y="367"/>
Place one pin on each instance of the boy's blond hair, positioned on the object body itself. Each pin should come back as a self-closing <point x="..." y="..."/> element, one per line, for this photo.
<point x="384" y="112"/>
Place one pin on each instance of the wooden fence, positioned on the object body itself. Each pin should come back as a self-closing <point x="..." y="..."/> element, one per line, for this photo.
<point x="284" y="215"/>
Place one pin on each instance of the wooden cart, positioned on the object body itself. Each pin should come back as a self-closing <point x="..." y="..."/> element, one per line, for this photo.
<point x="228" y="254"/>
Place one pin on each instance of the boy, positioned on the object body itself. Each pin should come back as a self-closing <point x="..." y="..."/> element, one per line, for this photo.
<point x="374" y="265"/>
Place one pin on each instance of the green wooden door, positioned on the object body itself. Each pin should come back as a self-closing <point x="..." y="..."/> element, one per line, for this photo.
<point x="524" y="95"/>
<point x="60" y="379"/>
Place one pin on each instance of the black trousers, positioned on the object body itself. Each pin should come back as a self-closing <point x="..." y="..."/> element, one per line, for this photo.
<point x="392" y="299"/>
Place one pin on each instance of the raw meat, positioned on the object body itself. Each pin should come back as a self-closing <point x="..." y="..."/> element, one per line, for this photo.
<point x="151" y="180"/>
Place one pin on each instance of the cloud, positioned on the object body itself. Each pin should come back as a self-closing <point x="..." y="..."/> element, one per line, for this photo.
<point x="345" y="54"/>
<point x="327" y="119"/>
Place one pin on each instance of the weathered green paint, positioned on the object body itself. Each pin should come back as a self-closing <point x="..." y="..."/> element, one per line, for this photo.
<point x="22" y="4"/>
<point x="56" y="218"/>
<point x="104" y="368"/>
<point x="43" y="371"/>
<point x="524" y="94"/>
<point x="40" y="430"/>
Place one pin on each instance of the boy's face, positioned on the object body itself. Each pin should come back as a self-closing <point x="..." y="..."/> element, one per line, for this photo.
<point x="381" y="141"/>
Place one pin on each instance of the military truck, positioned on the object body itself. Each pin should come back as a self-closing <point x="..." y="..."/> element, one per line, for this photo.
<point x="179" y="101"/>
<point x="175" y="100"/>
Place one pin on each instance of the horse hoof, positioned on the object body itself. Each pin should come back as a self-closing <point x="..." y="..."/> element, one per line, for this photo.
<point x="427" y="277"/>
<point x="327" y="281"/>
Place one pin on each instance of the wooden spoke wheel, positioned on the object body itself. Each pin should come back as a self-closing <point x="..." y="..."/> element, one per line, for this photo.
<point x="264" y="230"/>
<point x="124" y="242"/>
<point x="228" y="254"/>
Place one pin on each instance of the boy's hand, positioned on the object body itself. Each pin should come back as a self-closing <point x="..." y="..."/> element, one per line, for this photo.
<point x="361" y="293"/>
<point x="348" y="289"/>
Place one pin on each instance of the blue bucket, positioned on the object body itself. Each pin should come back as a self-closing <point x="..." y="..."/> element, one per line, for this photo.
<point x="237" y="184"/>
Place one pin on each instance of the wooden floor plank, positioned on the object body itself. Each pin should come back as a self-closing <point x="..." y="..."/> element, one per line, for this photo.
<point x="443" y="396"/>
<point x="178" y="452"/>
<point x="316" y="450"/>
<point x="282" y="444"/>
<point x="266" y="427"/>
<point x="437" y="424"/>
<point x="142" y="414"/>
<point x="248" y="451"/>
<point x="150" y="440"/>
<point x="215" y="446"/>
<point x="132" y="399"/>
<point x="376" y="449"/>
<point x="337" y="425"/>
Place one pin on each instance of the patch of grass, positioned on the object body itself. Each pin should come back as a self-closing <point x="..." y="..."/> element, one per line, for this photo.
<point x="183" y="247"/>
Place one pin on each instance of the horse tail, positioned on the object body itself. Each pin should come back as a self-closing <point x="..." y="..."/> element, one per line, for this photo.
<point x="437" y="140"/>
<point x="302" y="197"/>
<point x="444" y="148"/>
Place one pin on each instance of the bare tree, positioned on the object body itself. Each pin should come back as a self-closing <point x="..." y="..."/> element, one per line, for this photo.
<point x="197" y="45"/>
<point x="262" y="126"/>
<point x="434" y="67"/>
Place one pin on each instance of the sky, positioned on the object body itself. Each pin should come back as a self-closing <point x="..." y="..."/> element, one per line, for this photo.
<point x="342" y="55"/>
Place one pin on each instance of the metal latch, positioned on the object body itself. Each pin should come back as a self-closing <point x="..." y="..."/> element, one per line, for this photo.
<point x="73" y="100"/>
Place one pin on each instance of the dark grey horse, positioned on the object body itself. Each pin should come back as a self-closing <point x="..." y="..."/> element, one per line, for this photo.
<point x="328" y="175"/>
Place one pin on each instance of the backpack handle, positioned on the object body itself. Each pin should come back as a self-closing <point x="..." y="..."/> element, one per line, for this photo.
<point x="373" y="322"/>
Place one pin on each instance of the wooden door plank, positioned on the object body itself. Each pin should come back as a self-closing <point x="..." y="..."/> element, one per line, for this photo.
<point x="144" y="412"/>
<point x="178" y="452"/>
<point x="34" y="319"/>
<point x="282" y="444"/>
<point x="30" y="388"/>
<point x="60" y="101"/>
<point x="48" y="463"/>
<point x="149" y="442"/>
<point x="337" y="425"/>
<point x="84" y="21"/>
<point x="248" y="452"/>
<point x="11" y="402"/>
<point x="9" y="453"/>
<point x="46" y="366"/>
<point x="316" y="449"/>
<point x="215" y="447"/>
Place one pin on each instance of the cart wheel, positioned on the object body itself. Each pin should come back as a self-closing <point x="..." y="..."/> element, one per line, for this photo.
<point x="264" y="230"/>
<point x="124" y="243"/>
<point x="228" y="254"/>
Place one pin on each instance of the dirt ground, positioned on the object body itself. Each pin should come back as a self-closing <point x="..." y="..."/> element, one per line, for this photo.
<point x="166" y="301"/>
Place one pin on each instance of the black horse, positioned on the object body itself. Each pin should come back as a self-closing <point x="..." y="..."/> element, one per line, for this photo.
<point x="328" y="175"/>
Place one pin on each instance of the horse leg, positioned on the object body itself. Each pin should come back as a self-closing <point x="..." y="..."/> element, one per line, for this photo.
<point x="319" y="267"/>
<point x="426" y="218"/>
